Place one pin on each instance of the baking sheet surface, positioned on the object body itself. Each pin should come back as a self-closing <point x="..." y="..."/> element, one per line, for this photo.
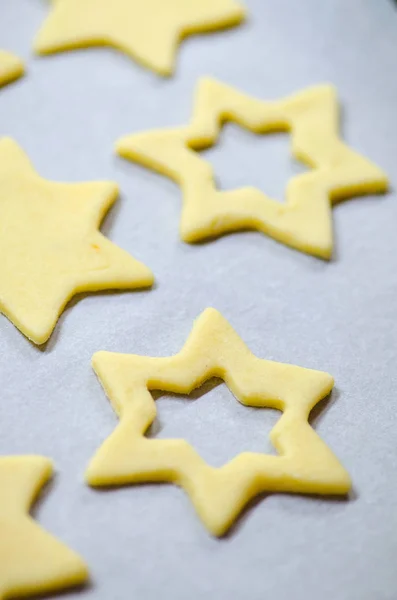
<point x="145" y="542"/>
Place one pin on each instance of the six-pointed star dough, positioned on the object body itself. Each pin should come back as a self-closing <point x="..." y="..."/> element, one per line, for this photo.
<point x="31" y="560"/>
<point x="304" y="220"/>
<point x="50" y="245"/>
<point x="148" y="30"/>
<point x="213" y="349"/>
<point x="11" y="67"/>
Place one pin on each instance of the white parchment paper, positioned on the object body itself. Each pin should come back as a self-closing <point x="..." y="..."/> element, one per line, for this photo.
<point x="147" y="542"/>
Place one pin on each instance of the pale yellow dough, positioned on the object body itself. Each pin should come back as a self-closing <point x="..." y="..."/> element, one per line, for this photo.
<point x="305" y="464"/>
<point x="304" y="220"/>
<point x="31" y="560"/>
<point x="11" y="67"/>
<point x="50" y="245"/>
<point x="147" y="30"/>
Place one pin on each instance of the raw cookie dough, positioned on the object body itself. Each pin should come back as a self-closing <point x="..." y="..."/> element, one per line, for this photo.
<point x="304" y="220"/>
<point x="11" y="67"/>
<point x="147" y="30"/>
<point x="51" y="246"/>
<point x="214" y="349"/>
<point x="31" y="560"/>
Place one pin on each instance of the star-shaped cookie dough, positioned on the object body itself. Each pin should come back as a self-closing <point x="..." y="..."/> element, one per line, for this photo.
<point x="11" y="67"/>
<point x="304" y="220"/>
<point x="31" y="560"/>
<point x="147" y="30"/>
<point x="50" y="245"/>
<point x="305" y="464"/>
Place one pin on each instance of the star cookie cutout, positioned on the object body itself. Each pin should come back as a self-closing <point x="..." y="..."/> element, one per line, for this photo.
<point x="305" y="464"/>
<point x="147" y="30"/>
<point x="303" y="221"/>
<point x="51" y="246"/>
<point x="31" y="560"/>
<point x="11" y="67"/>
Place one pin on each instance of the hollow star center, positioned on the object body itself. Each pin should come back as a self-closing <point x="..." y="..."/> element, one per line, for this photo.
<point x="241" y="158"/>
<point x="214" y="422"/>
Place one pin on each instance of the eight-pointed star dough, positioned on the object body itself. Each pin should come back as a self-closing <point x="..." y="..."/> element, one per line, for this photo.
<point x="148" y="30"/>
<point x="50" y="245"/>
<point x="31" y="560"/>
<point x="305" y="464"/>
<point x="304" y="220"/>
<point x="11" y="67"/>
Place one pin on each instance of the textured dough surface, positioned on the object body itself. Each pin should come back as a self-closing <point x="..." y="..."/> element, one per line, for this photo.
<point x="31" y="560"/>
<point x="51" y="247"/>
<point x="11" y="67"/>
<point x="304" y="220"/>
<point x="148" y="30"/>
<point x="305" y="464"/>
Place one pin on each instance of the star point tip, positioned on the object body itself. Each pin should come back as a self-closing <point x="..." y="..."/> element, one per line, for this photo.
<point x="122" y="145"/>
<point x="143" y="275"/>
